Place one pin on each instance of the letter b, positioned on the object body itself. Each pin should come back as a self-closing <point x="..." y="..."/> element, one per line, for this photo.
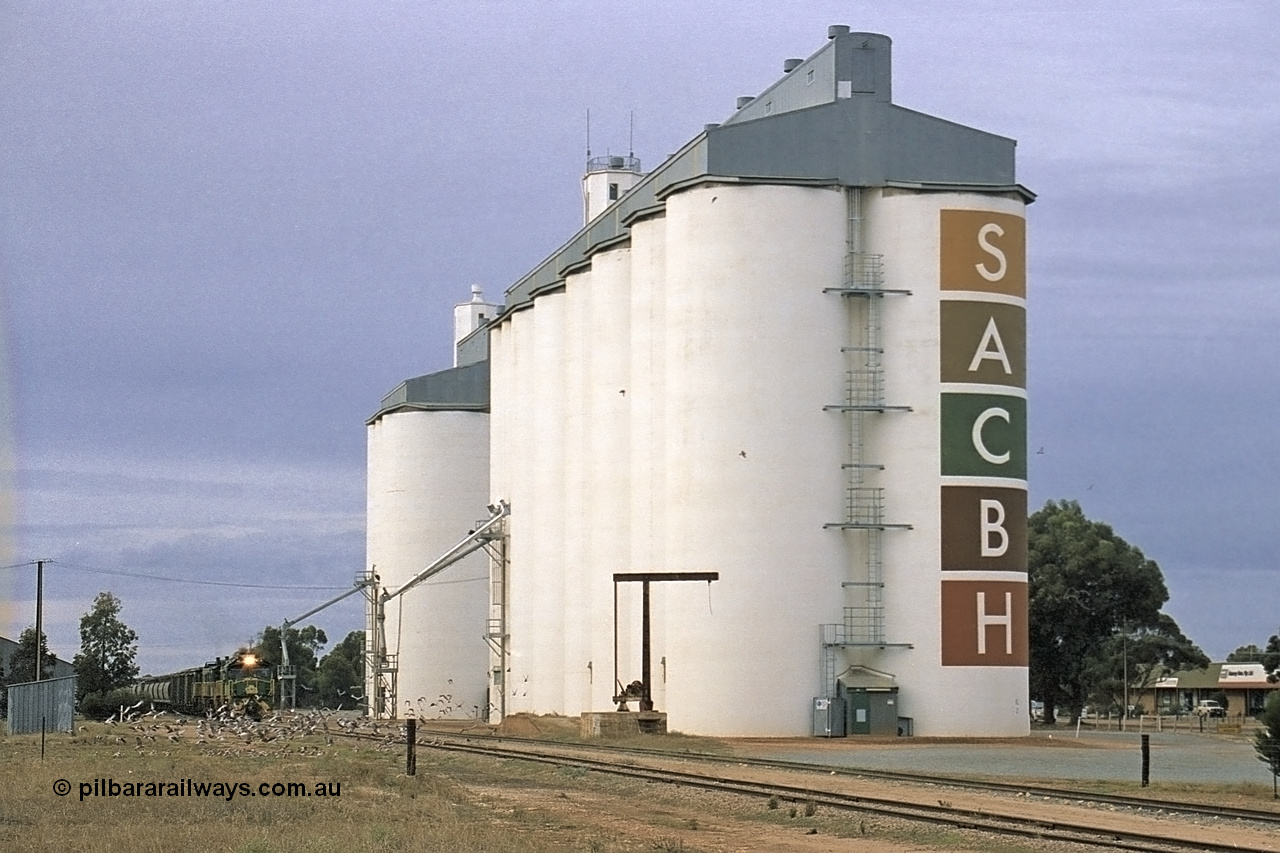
<point x="992" y="524"/>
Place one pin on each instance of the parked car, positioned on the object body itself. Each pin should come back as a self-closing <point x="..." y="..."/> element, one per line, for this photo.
<point x="1210" y="708"/>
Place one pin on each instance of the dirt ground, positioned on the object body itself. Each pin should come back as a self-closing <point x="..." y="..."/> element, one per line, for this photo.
<point x="665" y="817"/>
<point x="698" y="821"/>
<point x="607" y="815"/>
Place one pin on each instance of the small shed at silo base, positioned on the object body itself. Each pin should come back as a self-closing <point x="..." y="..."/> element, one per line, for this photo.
<point x="871" y="703"/>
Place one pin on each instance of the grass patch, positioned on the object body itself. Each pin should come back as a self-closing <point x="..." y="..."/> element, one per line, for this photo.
<point x="376" y="808"/>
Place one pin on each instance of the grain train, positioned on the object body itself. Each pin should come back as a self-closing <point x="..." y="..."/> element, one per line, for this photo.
<point x="240" y="684"/>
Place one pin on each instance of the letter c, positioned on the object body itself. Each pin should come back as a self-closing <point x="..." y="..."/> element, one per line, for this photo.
<point x="978" y="443"/>
<point x="991" y="228"/>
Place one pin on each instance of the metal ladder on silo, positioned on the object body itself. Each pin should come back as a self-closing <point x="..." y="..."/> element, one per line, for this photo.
<point x="863" y="285"/>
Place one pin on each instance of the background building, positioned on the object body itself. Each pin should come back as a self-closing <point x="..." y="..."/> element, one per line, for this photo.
<point x="61" y="668"/>
<point x="792" y="356"/>
<point x="1242" y="688"/>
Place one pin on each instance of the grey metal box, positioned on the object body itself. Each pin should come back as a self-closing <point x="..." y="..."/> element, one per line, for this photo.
<point x="828" y="716"/>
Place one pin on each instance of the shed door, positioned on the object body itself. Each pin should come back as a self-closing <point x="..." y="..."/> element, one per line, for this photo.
<point x="859" y="712"/>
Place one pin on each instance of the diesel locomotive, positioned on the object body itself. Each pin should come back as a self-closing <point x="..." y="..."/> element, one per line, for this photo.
<point x="240" y="685"/>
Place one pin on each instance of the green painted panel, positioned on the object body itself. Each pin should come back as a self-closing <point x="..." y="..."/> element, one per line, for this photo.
<point x="984" y="435"/>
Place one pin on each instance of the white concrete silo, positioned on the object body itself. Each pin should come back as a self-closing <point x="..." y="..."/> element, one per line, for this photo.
<point x="752" y="461"/>
<point x="903" y="226"/>
<point x="674" y="391"/>
<point x="513" y="369"/>
<point x="424" y="494"/>
<point x="606" y="500"/>
<point x="576" y="491"/>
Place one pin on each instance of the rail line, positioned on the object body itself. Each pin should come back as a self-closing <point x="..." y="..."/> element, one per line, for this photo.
<point x="979" y="819"/>
<point x="1066" y="794"/>
<point x="944" y="814"/>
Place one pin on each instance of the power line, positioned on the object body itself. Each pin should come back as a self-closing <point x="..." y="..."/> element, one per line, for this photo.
<point x="174" y="580"/>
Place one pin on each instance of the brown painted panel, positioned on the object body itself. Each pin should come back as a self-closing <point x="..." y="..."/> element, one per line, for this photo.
<point x="968" y="526"/>
<point x="984" y="342"/>
<point x="982" y="250"/>
<point x="1003" y="641"/>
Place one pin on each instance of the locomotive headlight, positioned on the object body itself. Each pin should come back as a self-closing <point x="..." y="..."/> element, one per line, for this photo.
<point x="249" y="660"/>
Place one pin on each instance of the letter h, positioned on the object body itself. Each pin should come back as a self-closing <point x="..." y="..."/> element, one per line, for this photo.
<point x="1004" y="619"/>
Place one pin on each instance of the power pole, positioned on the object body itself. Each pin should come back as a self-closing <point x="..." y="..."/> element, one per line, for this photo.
<point x="39" y="613"/>
<point x="1124" y="715"/>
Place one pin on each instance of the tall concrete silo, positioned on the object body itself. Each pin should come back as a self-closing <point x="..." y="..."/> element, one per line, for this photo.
<point x="761" y="428"/>
<point x="791" y="357"/>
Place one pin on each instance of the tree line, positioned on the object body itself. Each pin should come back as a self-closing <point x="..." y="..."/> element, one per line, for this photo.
<point x="106" y="666"/>
<point x="1097" y="629"/>
<point x="1096" y="624"/>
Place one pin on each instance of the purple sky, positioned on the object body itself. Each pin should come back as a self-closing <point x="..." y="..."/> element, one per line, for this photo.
<point x="227" y="229"/>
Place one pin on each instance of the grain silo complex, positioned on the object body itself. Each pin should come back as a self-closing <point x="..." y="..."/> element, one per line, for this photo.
<point x="747" y="455"/>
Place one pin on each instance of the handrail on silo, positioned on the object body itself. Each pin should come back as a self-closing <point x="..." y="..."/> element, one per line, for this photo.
<point x="614" y="163"/>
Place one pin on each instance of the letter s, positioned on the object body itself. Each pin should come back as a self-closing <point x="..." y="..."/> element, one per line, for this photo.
<point x="994" y="251"/>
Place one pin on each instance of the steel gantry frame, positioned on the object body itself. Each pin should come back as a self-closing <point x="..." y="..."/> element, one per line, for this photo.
<point x="383" y="703"/>
<point x="287" y="674"/>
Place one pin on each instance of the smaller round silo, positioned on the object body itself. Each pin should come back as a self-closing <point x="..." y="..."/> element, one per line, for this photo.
<point x="428" y="486"/>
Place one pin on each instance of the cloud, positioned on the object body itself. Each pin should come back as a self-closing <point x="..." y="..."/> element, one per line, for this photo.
<point x="227" y="231"/>
<point x="111" y="520"/>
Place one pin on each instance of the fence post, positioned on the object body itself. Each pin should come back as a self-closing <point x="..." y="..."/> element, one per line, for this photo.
<point x="411" y="742"/>
<point x="1146" y="760"/>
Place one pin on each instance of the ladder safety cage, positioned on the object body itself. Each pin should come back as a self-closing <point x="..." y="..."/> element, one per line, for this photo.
<point x="862" y="285"/>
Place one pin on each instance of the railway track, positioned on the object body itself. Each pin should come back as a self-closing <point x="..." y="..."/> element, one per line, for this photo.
<point x="1180" y="807"/>
<point x="1101" y="833"/>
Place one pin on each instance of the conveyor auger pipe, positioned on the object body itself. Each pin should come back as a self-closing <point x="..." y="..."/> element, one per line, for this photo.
<point x="473" y="541"/>
<point x="286" y="667"/>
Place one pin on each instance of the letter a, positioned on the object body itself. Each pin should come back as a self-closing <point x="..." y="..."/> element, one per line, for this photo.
<point x="991" y="228"/>
<point x="984" y="351"/>
<point x="995" y="526"/>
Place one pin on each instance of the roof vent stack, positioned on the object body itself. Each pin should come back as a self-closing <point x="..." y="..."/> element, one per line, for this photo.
<point x="469" y="316"/>
<point x="789" y="65"/>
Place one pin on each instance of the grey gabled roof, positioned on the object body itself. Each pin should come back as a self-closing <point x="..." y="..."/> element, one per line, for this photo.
<point x="828" y="121"/>
<point x="458" y="389"/>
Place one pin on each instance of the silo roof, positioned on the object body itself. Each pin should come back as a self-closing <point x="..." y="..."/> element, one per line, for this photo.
<point x="828" y="121"/>
<point x="458" y="389"/>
